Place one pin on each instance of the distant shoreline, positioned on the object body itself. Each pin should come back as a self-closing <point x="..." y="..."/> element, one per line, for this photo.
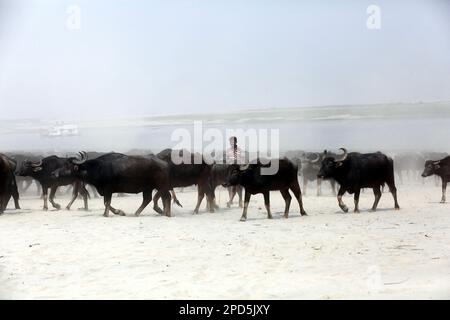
<point x="320" y="113"/>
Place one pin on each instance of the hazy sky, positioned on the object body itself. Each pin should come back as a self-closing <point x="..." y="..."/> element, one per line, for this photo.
<point x="166" y="57"/>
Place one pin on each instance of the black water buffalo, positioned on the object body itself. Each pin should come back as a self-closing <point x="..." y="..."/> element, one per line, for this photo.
<point x="440" y="168"/>
<point x="8" y="185"/>
<point x="255" y="181"/>
<point x="42" y="172"/>
<point x="354" y="171"/>
<point x="310" y="166"/>
<point x="24" y="183"/>
<point x="119" y="173"/>
<point x="192" y="170"/>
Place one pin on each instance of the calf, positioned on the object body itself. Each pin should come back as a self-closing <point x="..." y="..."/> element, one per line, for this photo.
<point x="441" y="168"/>
<point x="355" y="171"/>
<point x="251" y="178"/>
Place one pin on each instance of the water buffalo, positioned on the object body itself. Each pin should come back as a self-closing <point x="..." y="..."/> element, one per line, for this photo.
<point x="42" y="172"/>
<point x="354" y="171"/>
<point x="119" y="173"/>
<point x="186" y="174"/>
<point x="254" y="181"/>
<point x="440" y="168"/>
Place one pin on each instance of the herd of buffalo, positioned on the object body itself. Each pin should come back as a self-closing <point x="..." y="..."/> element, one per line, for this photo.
<point x="111" y="173"/>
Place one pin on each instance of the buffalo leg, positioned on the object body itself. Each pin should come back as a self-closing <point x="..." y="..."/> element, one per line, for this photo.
<point x="246" y="201"/>
<point x="295" y="188"/>
<point x="319" y="187"/>
<point x="215" y="205"/>
<point x="239" y="193"/>
<point x="333" y="186"/>
<point x="4" y="199"/>
<point x="75" y="191"/>
<point x="146" y="198"/>
<point x="166" y="202"/>
<point x="85" y="194"/>
<point x="116" y="211"/>
<point x="107" y="200"/>
<point x="209" y="197"/>
<point x="393" y="190"/>
<point x="45" y="195"/>
<point x="305" y="185"/>
<point x="175" y="199"/>
<point x="231" y="193"/>
<point x="3" y="203"/>
<point x="155" y="202"/>
<point x="356" y="198"/>
<point x="287" y="199"/>
<point x="267" y="203"/>
<point x="52" y="196"/>
<point x="400" y="176"/>
<point x="200" y="196"/>
<point x="444" y="187"/>
<point x="15" y="194"/>
<point x="340" y="202"/>
<point x="377" y="193"/>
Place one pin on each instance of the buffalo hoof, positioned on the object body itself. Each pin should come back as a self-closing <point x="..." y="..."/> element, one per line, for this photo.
<point x="303" y="213"/>
<point x="397" y="208"/>
<point x="195" y="212"/>
<point x="158" y="209"/>
<point x="228" y="205"/>
<point x="373" y="209"/>
<point x="344" y="208"/>
<point x="286" y="215"/>
<point x="356" y="211"/>
<point x="45" y="209"/>
<point x="442" y="201"/>
<point x="243" y="219"/>
<point x="177" y="203"/>
<point x="68" y="208"/>
<point x="120" y="213"/>
<point x="106" y="215"/>
<point x="269" y="217"/>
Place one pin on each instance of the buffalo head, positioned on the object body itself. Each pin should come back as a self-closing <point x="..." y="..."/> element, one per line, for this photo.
<point x="430" y="168"/>
<point x="331" y="164"/>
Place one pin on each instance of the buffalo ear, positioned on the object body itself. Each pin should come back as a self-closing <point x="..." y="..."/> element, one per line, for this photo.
<point x="437" y="166"/>
<point x="37" y="169"/>
<point x="339" y="163"/>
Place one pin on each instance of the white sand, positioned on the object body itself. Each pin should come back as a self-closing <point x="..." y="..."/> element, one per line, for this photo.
<point x="77" y="254"/>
